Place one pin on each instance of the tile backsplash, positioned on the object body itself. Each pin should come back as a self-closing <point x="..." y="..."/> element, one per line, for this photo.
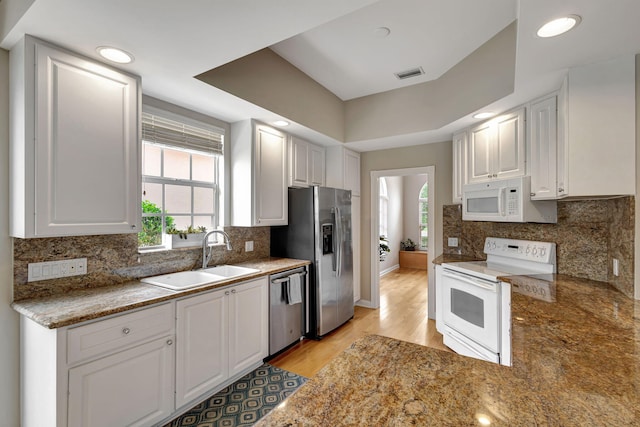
<point x="588" y="236"/>
<point x="114" y="259"/>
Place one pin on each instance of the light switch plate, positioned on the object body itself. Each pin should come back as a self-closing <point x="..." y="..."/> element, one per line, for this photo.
<point x="248" y="246"/>
<point x="452" y="242"/>
<point x="56" y="269"/>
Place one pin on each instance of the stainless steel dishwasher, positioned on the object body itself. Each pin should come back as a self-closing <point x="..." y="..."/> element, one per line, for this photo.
<point x="288" y="319"/>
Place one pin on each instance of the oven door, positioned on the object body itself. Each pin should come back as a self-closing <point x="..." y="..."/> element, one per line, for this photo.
<point x="471" y="307"/>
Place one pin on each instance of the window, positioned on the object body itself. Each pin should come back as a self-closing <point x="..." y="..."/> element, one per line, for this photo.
<point x="383" y="205"/>
<point x="180" y="176"/>
<point x="423" y="215"/>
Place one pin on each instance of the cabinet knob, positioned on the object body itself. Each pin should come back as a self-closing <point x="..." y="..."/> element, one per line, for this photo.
<point x="226" y="293"/>
<point x="133" y="226"/>
<point x="560" y="190"/>
<point x="233" y="291"/>
<point x="126" y="331"/>
<point x="169" y="342"/>
<point x="532" y="194"/>
<point x="495" y="175"/>
<point x="489" y="176"/>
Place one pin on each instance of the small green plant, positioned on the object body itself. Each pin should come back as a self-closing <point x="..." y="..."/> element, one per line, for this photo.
<point x="151" y="234"/>
<point x="408" y="245"/>
<point x="383" y="247"/>
<point x="188" y="230"/>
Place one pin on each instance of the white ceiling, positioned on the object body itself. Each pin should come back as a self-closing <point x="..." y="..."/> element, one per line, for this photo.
<point x="332" y="41"/>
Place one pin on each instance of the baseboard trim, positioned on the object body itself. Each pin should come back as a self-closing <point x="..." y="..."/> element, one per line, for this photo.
<point x="364" y="303"/>
<point x="389" y="270"/>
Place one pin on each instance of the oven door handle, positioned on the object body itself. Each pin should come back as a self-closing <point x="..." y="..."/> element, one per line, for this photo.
<point x="475" y="281"/>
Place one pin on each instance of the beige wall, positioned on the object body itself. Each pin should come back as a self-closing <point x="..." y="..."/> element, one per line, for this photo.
<point x="438" y="155"/>
<point x="9" y="321"/>
<point x="264" y="78"/>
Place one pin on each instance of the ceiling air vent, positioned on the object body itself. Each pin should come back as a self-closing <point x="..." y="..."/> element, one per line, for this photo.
<point x="407" y="74"/>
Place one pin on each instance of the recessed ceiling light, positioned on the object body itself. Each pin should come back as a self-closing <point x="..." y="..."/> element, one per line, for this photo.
<point x="281" y="123"/>
<point x="382" y="32"/>
<point x="484" y="115"/>
<point x="559" y="26"/>
<point x="115" y="55"/>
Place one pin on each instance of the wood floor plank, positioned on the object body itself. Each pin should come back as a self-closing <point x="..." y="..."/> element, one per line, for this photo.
<point x="402" y="315"/>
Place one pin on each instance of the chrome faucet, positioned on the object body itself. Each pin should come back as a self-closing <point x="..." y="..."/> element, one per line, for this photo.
<point x="205" y="242"/>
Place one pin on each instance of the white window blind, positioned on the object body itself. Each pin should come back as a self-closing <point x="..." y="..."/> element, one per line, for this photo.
<point x="163" y="131"/>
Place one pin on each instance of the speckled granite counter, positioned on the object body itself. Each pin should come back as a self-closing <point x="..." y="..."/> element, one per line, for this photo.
<point x="576" y="362"/>
<point x="85" y="304"/>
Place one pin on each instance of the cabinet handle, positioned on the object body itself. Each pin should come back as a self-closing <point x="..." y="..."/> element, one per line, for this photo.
<point x="126" y="331"/>
<point x="226" y="292"/>
<point x="169" y="342"/>
<point x="532" y="194"/>
<point x="133" y="226"/>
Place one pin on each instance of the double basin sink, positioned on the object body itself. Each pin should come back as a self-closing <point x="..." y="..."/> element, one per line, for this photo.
<point x="191" y="279"/>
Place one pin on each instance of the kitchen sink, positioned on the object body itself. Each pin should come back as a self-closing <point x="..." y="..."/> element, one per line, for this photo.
<point x="183" y="279"/>
<point x="191" y="279"/>
<point x="229" y="271"/>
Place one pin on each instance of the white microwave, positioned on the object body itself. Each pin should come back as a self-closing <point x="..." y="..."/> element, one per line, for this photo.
<point x="506" y="200"/>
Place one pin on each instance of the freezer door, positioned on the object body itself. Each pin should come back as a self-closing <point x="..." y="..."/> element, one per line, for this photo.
<point x="345" y="256"/>
<point x="327" y="261"/>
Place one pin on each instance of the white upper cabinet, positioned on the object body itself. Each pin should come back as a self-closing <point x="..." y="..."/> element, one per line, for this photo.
<point x="543" y="143"/>
<point x="306" y="163"/>
<point x="601" y="144"/>
<point x="343" y="169"/>
<point x="459" y="165"/>
<point x="258" y="175"/>
<point x="496" y="148"/>
<point x="74" y="144"/>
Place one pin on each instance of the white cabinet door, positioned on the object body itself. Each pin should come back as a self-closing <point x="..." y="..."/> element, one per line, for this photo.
<point x="130" y="388"/>
<point x="316" y="165"/>
<point x="459" y="165"/>
<point x="480" y="153"/>
<point x="299" y="167"/>
<point x="352" y="172"/>
<point x="543" y="148"/>
<point x="508" y="158"/>
<point x="496" y="148"/>
<point x="271" y="176"/>
<point x="202" y="352"/>
<point x="82" y="174"/>
<point x="248" y="325"/>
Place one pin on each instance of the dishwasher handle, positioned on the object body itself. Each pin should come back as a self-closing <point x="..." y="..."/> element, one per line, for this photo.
<point x="286" y="278"/>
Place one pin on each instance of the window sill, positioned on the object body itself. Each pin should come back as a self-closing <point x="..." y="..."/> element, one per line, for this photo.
<point x="156" y="249"/>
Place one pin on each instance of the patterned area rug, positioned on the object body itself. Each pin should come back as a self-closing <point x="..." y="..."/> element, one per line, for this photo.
<point x="244" y="402"/>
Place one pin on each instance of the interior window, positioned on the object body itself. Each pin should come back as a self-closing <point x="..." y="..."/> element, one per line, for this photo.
<point x="180" y="177"/>
<point x="383" y="215"/>
<point x="423" y="215"/>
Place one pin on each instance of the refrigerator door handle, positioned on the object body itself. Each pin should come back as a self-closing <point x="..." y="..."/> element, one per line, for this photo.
<point x="338" y="239"/>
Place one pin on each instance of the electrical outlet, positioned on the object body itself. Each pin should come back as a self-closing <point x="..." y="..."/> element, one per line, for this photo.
<point x="616" y="267"/>
<point x="453" y="242"/>
<point x="248" y="246"/>
<point x="56" y="269"/>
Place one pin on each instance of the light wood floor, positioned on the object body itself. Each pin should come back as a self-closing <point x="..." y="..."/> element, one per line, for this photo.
<point x="402" y="315"/>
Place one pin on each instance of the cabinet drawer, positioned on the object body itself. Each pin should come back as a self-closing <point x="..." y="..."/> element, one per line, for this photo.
<point x="118" y="332"/>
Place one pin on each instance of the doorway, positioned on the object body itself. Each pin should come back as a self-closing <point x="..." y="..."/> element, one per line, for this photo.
<point x="429" y="171"/>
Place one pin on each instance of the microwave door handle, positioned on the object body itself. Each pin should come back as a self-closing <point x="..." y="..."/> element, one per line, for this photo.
<point x="501" y="195"/>
<point x="475" y="282"/>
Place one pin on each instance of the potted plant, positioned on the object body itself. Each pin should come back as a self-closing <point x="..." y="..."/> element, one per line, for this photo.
<point x="190" y="237"/>
<point x="407" y="245"/>
<point x="383" y="248"/>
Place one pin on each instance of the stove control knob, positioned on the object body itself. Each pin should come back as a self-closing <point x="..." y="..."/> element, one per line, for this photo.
<point x="534" y="251"/>
<point x="493" y="245"/>
<point x="528" y="249"/>
<point x="543" y="251"/>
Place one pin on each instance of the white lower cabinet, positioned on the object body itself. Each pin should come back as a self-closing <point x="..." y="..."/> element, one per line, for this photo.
<point x="129" y="388"/>
<point x="220" y="334"/>
<point x="143" y="367"/>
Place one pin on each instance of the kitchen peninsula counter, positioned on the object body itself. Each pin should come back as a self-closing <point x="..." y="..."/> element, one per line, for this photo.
<point x="576" y="362"/>
<point x="68" y="307"/>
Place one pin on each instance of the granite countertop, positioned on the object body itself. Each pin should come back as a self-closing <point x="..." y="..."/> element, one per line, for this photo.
<point x="86" y="304"/>
<point x="576" y="362"/>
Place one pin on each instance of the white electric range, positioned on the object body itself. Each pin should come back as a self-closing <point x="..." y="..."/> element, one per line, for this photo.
<point x="473" y="312"/>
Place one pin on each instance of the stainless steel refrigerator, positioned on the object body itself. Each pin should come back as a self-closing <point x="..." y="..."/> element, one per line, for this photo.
<point x="319" y="230"/>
